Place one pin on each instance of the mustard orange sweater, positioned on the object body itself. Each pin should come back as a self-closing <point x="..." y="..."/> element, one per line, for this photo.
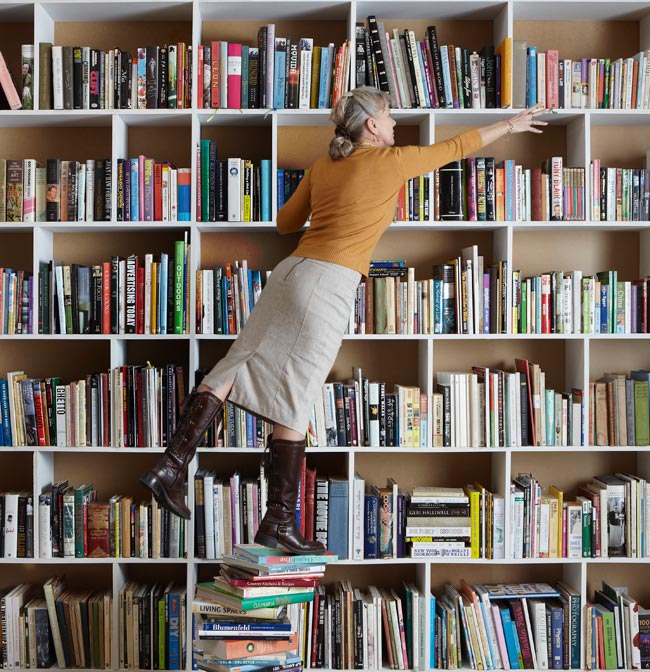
<point x="352" y="200"/>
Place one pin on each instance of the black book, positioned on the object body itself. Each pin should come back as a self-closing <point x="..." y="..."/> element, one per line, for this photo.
<point x="446" y="413"/>
<point x="99" y="187"/>
<point x="391" y="418"/>
<point x="526" y="427"/>
<point x="152" y="67"/>
<point x="162" y="78"/>
<point x="74" y="296"/>
<point x="118" y="103"/>
<point x="488" y="67"/>
<point x="437" y="65"/>
<point x="340" y="415"/>
<point x="130" y="290"/>
<point x="114" y="294"/>
<point x="93" y="79"/>
<point x="22" y="523"/>
<point x="68" y="78"/>
<point x="253" y="77"/>
<point x="222" y="191"/>
<point x="96" y="300"/>
<point x="360" y="39"/>
<point x="77" y="78"/>
<point x="53" y="193"/>
<point x="108" y="179"/>
<point x="382" y="414"/>
<point x="120" y="206"/>
<point x="467" y="77"/>
<point x="369" y="57"/>
<point x="451" y="191"/>
<point x="85" y="631"/>
<point x="73" y="172"/>
<point x="212" y="182"/>
<point x="411" y="60"/>
<point x="560" y="81"/>
<point x="380" y="62"/>
<point x="262" y="36"/>
<point x="127" y="81"/>
<point x="490" y="207"/>
<point x="170" y="296"/>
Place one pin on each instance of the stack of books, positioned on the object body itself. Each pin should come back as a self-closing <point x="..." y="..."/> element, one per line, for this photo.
<point x="247" y="618"/>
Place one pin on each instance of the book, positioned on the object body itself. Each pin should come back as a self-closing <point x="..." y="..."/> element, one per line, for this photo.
<point x="273" y="556"/>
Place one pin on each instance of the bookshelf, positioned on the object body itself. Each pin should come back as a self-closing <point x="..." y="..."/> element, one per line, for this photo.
<point x="293" y="139"/>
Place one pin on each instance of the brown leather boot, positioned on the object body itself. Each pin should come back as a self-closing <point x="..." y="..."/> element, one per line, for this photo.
<point x="279" y="523"/>
<point x="166" y="479"/>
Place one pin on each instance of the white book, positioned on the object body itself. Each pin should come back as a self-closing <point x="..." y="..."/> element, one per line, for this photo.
<point x="358" y="492"/>
<point x="396" y="52"/>
<point x="173" y="195"/>
<point x="57" y="77"/>
<point x="306" y="50"/>
<point x="208" y="501"/>
<point x="208" y="301"/>
<point x="11" y="525"/>
<point x="219" y="531"/>
<point x="593" y="83"/>
<point x="29" y="190"/>
<point x="58" y="277"/>
<point x="44" y="527"/>
<point x="373" y="401"/>
<point x="90" y="190"/>
<point x="568" y="72"/>
<point x="576" y="84"/>
<point x="475" y="74"/>
<point x="234" y="190"/>
<point x="270" y="63"/>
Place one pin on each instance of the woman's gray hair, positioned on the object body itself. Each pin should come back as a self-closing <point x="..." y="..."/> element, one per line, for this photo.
<point x="349" y="116"/>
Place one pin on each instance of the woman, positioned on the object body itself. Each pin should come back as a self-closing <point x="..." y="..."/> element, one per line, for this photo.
<point x="277" y="365"/>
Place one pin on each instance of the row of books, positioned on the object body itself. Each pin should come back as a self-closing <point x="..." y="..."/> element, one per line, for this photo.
<point x="479" y="189"/>
<point x="16" y="525"/>
<point x="497" y="408"/>
<point x="430" y="522"/>
<point x="278" y="73"/>
<point x="582" y="83"/>
<point x="88" y="78"/>
<point x="235" y="427"/>
<point x="128" y="406"/>
<point x="231" y="189"/>
<point x="230" y="508"/>
<point x="74" y="524"/>
<point x="151" y="620"/>
<point x="60" y="191"/>
<point x="146" y="294"/>
<point x="9" y="95"/>
<point x="226" y="296"/>
<point x="423" y="73"/>
<point x="16" y="301"/>
<point x="619" y="409"/>
<point x="607" y="518"/>
<point x="502" y="626"/>
<point x="617" y="630"/>
<point x="464" y="296"/>
<point x="49" y="623"/>
<point x="619" y="194"/>
<point x="287" y="181"/>
<point x="149" y="191"/>
<point x="565" y="302"/>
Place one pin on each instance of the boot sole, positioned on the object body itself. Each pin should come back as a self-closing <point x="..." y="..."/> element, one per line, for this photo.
<point x="151" y="481"/>
<point x="272" y="542"/>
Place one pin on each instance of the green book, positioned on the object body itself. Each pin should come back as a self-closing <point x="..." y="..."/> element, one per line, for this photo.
<point x="179" y="285"/>
<point x="641" y="418"/>
<point x="381" y="319"/>
<point x="609" y="636"/>
<point x="247" y="603"/>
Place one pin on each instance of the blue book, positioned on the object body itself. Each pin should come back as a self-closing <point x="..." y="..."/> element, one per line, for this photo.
<point x="604" y="309"/>
<point x="223" y="625"/>
<point x="173" y="609"/>
<point x="337" y="531"/>
<point x="550" y="417"/>
<point x="184" y="198"/>
<point x="531" y="77"/>
<point x="249" y="280"/>
<point x="509" y="165"/>
<point x="280" y="188"/>
<point x="262" y="555"/>
<point x="557" y="637"/>
<point x="279" y="79"/>
<point x="250" y="430"/>
<point x="135" y="190"/>
<point x="162" y="294"/>
<point x="265" y="166"/>
<point x="512" y="643"/>
<point x="371" y="512"/>
<point x="6" y="420"/>
<point x="244" y="76"/>
<point x="432" y="631"/>
<point x="322" y="84"/>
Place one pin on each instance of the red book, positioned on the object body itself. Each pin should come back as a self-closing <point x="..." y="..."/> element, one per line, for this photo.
<point x="522" y="366"/>
<point x="314" y="632"/>
<point x="97" y="530"/>
<point x="106" y="297"/>
<point x="139" y="410"/>
<point x="472" y="206"/>
<point x="546" y="303"/>
<point x="302" y="495"/>
<point x="157" y="192"/>
<point x="310" y="494"/>
<point x="40" y="422"/>
<point x="274" y="582"/>
<point x="234" y="76"/>
<point x="8" y="86"/>
<point x="139" y="299"/>
<point x="537" y="213"/>
<point x="517" y="609"/>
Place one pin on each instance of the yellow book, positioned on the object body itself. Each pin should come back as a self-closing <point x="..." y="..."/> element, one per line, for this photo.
<point x="475" y="519"/>
<point x="554" y="528"/>
<point x="505" y="51"/>
<point x="559" y="496"/>
<point x="315" y="77"/>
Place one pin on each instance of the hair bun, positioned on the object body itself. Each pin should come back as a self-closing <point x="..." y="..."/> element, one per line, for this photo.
<point x="342" y="132"/>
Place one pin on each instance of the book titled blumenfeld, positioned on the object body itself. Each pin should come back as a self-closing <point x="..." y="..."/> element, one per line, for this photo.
<point x="266" y="556"/>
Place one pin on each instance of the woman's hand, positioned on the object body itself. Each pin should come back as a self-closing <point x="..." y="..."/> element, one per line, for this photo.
<point x="525" y="120"/>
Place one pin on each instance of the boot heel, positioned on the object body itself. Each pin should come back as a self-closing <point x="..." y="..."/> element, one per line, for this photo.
<point x="266" y="540"/>
<point x="150" y="480"/>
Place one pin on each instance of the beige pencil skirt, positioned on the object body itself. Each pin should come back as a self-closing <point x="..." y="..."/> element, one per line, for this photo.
<point x="287" y="347"/>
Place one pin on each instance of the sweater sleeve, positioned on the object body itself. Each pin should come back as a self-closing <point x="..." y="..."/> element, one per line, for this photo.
<point x="294" y="213"/>
<point x="415" y="160"/>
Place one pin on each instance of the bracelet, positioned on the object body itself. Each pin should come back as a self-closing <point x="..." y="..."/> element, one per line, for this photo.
<point x="511" y="128"/>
